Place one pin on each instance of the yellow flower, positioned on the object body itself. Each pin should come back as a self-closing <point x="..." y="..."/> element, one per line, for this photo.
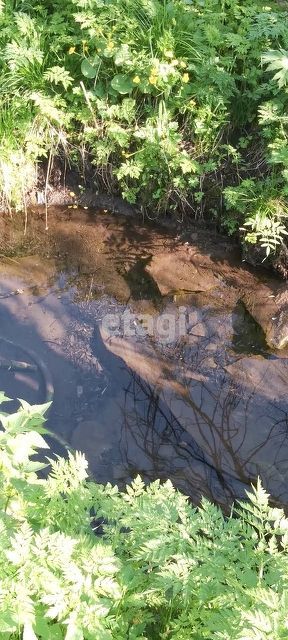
<point x="110" y="46"/>
<point x="185" y="78"/>
<point x="183" y="64"/>
<point x="71" y="50"/>
<point x="136" y="80"/>
<point x="152" y="79"/>
<point x="168" y="54"/>
<point x="174" y="63"/>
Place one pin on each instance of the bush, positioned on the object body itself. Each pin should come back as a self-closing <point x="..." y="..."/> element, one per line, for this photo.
<point x="156" y="568"/>
<point x="170" y="101"/>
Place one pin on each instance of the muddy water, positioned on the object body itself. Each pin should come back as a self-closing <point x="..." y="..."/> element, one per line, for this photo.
<point x="156" y="370"/>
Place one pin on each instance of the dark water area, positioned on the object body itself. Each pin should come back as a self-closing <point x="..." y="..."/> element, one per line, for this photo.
<point x="197" y="397"/>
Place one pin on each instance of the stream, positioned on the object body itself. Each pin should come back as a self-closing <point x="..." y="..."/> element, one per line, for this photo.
<point x="158" y="365"/>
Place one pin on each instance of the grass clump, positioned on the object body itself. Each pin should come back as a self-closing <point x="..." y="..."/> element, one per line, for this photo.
<point x="174" y="104"/>
<point x="158" y="569"/>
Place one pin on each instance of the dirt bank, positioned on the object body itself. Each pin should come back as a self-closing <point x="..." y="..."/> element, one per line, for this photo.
<point x="66" y="188"/>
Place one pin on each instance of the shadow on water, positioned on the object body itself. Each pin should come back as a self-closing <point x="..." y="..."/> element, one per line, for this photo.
<point x="152" y="441"/>
<point x="141" y="284"/>
<point x="142" y="435"/>
<point x="23" y="345"/>
<point x="248" y="336"/>
<point x="208" y="410"/>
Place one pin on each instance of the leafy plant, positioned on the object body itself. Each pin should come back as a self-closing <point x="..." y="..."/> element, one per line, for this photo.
<point x="170" y="102"/>
<point x="277" y="61"/>
<point x="83" y="561"/>
<point x="263" y="211"/>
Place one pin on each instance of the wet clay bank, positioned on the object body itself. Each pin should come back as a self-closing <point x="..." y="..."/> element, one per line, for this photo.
<point x="158" y="364"/>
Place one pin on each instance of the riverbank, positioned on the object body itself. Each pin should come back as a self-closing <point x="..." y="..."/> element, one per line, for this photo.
<point x="184" y="260"/>
<point x="64" y="187"/>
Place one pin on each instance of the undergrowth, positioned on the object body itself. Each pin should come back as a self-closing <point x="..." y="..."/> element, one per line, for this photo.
<point x="181" y="106"/>
<point x="154" y="569"/>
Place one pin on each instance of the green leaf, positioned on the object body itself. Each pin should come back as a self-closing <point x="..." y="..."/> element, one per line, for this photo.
<point x="123" y="55"/>
<point x="74" y="632"/>
<point x="45" y="630"/>
<point x="33" y="467"/>
<point x="36" y="409"/>
<point x="25" y="444"/>
<point x="4" y="398"/>
<point x="88" y="70"/>
<point x="99" y="90"/>
<point x="26" y="419"/>
<point x="277" y="61"/>
<point x="100" y="44"/>
<point x="8" y="622"/>
<point x="28" y="633"/>
<point x="122" y="84"/>
<point x="112" y="92"/>
<point x="95" y="60"/>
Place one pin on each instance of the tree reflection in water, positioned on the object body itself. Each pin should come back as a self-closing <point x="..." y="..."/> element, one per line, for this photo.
<point x="149" y="427"/>
<point x="212" y="435"/>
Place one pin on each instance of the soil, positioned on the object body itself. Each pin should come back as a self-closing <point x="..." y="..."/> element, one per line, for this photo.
<point x="67" y="188"/>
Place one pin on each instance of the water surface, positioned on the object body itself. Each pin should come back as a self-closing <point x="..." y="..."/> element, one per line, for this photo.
<point x="206" y="407"/>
